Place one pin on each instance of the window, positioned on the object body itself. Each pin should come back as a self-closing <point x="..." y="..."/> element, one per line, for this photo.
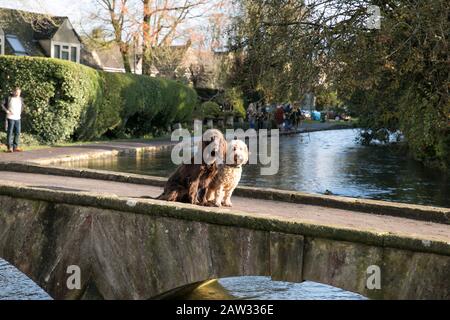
<point x="65" y="51"/>
<point x="56" y="51"/>
<point x="73" y="54"/>
<point x="16" y="45"/>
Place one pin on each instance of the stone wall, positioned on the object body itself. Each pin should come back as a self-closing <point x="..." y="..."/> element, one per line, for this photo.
<point x="140" y="250"/>
<point x="133" y="256"/>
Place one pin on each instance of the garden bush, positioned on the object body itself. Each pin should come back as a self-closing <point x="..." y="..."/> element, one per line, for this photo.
<point x="235" y="97"/>
<point x="25" y="139"/>
<point x="68" y="101"/>
<point x="56" y="93"/>
<point x="208" y="109"/>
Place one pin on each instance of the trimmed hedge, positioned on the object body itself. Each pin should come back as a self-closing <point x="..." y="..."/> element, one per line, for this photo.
<point x="68" y="101"/>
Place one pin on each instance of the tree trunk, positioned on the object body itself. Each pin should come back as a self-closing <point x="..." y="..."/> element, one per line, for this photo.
<point x="146" y="61"/>
<point x="125" y="52"/>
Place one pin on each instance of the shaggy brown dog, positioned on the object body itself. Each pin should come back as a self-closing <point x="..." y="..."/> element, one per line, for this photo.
<point x="189" y="183"/>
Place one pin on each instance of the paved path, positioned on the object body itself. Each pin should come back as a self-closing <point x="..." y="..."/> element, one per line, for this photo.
<point x="295" y="212"/>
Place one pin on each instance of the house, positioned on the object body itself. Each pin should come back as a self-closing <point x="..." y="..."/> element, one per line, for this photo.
<point x="200" y="66"/>
<point x="32" y="34"/>
<point x="107" y="57"/>
<point x="26" y="34"/>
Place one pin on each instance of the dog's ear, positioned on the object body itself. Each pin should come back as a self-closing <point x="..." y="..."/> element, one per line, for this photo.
<point x="247" y="154"/>
<point x="204" y="144"/>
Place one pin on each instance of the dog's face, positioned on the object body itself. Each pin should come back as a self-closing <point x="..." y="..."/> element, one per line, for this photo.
<point x="214" y="146"/>
<point x="238" y="153"/>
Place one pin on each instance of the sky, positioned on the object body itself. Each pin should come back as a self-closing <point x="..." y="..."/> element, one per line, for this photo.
<point x="76" y="10"/>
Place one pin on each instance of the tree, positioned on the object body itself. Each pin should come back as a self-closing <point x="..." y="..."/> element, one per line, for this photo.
<point x="116" y="15"/>
<point x="154" y="24"/>
<point x="285" y="44"/>
<point x="393" y="78"/>
<point x="160" y="26"/>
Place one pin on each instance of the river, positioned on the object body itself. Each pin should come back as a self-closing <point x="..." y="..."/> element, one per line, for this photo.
<point x="315" y="162"/>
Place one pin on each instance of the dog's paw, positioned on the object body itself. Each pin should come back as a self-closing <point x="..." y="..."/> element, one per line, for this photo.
<point x="227" y="204"/>
<point x="211" y="204"/>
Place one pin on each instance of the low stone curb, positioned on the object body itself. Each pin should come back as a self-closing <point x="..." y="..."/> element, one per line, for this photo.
<point x="99" y="154"/>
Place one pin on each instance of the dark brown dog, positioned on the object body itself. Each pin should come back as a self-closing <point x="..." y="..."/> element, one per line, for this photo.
<point x="189" y="183"/>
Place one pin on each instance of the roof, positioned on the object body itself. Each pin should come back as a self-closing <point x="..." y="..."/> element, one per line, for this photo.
<point x="46" y="28"/>
<point x="30" y="27"/>
<point x="108" y="57"/>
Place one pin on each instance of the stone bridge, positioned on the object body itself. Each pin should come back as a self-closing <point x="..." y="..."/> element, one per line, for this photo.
<point x="130" y="247"/>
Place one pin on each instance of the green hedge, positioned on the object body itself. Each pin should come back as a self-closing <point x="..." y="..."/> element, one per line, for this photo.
<point x="236" y="98"/>
<point x="208" y="109"/>
<point x="25" y="139"/>
<point x="68" y="101"/>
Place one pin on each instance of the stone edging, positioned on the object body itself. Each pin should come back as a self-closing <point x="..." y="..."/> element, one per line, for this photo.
<point x="226" y="217"/>
<point x="417" y="212"/>
<point x="97" y="154"/>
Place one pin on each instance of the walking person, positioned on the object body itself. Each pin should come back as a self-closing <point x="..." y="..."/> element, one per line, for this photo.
<point x="251" y="115"/>
<point x="260" y="117"/>
<point x="279" y="117"/>
<point x="13" y="106"/>
<point x="296" y="115"/>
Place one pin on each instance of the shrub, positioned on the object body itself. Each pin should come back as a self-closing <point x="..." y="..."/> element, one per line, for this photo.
<point x="236" y="99"/>
<point x="138" y="105"/>
<point x="25" y="139"/>
<point x="209" y="109"/>
<point x="56" y="93"/>
<point x="68" y="101"/>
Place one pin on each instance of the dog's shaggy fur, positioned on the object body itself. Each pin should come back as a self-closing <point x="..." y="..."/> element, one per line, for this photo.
<point x="226" y="180"/>
<point x="190" y="182"/>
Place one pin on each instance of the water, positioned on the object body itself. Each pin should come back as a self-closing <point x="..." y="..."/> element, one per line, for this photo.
<point x="320" y="161"/>
<point x="15" y="285"/>
<point x="262" y="288"/>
